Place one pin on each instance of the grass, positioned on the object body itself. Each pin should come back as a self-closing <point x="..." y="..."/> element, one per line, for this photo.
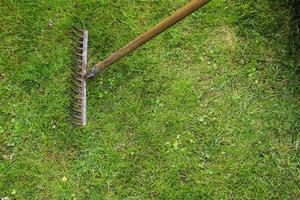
<point x="208" y="110"/>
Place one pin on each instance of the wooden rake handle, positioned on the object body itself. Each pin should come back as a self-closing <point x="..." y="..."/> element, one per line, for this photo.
<point x="147" y="36"/>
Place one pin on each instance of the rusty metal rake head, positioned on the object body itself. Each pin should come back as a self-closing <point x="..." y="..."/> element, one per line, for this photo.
<point x="78" y="81"/>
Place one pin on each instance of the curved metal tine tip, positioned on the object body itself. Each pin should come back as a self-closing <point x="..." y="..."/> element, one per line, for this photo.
<point x="77" y="45"/>
<point x="76" y="74"/>
<point x="76" y="77"/>
<point x="76" y="116"/>
<point x="75" y="120"/>
<point x="76" y="69"/>
<point x="76" y="38"/>
<point x="79" y="48"/>
<point x="76" y="110"/>
<point x="75" y="99"/>
<point x="76" y="90"/>
<point x="79" y="61"/>
<point x="76" y="31"/>
<point x="75" y="96"/>
<point x="76" y="123"/>
<point x="78" y="54"/>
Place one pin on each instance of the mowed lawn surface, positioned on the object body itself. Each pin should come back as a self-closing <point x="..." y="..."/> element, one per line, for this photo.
<point x="208" y="110"/>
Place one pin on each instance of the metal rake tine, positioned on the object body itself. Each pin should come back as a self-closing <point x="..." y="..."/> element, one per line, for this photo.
<point x="75" y="99"/>
<point x="76" y="82"/>
<point x="76" y="123"/>
<point x="77" y="91"/>
<point x="77" y="47"/>
<point x="76" y="116"/>
<point x="77" y="33"/>
<point x="76" y="77"/>
<point x="77" y="70"/>
<point x="76" y="110"/>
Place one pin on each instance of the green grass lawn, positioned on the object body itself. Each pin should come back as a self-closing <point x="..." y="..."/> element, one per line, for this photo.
<point x="208" y="110"/>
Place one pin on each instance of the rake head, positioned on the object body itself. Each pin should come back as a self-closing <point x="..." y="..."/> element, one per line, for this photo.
<point x="78" y="80"/>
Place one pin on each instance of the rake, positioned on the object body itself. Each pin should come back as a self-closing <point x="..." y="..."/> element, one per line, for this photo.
<point x="80" y="74"/>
